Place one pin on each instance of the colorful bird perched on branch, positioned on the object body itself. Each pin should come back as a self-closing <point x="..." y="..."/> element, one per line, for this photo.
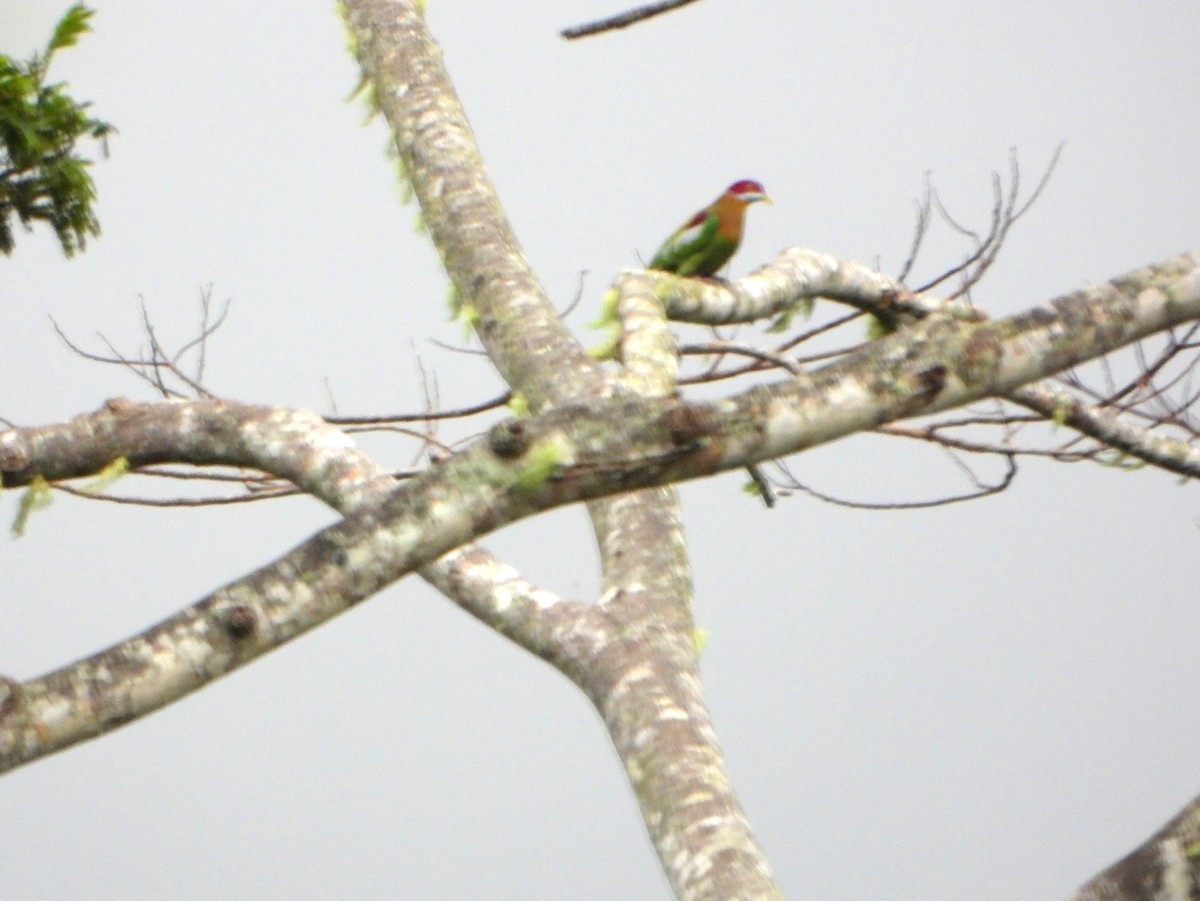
<point x="704" y="243"/>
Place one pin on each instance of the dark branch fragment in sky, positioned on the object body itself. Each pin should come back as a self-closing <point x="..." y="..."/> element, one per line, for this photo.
<point x="624" y="20"/>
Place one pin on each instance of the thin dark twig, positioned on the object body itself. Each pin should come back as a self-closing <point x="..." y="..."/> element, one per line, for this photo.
<point x="819" y="330"/>
<point x="146" y="370"/>
<point x="164" y="361"/>
<point x="207" y="329"/>
<point x="933" y="436"/>
<point x="460" y="413"/>
<point x="728" y="347"/>
<point x="983" y="419"/>
<point x="763" y="484"/>
<point x="981" y="245"/>
<point x="831" y="354"/>
<point x="1146" y="371"/>
<point x="1005" y="213"/>
<point x="433" y="400"/>
<point x="962" y="230"/>
<point x="152" y="368"/>
<point x="713" y="373"/>
<point x="329" y="395"/>
<point x="205" y="476"/>
<point x="200" y="342"/>
<point x="924" y="208"/>
<point x="87" y="355"/>
<point x="1002" y="219"/>
<point x="426" y="438"/>
<point x="1001" y="226"/>
<point x="623" y="20"/>
<point x="156" y="353"/>
<point x="983" y="491"/>
<point x="1042" y="182"/>
<point x="1110" y="384"/>
<point x="578" y="296"/>
<point x="474" y="351"/>
<point x="271" y="494"/>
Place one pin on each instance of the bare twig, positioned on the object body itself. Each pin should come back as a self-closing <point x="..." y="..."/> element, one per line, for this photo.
<point x="570" y="308"/>
<point x="920" y="230"/>
<point x="210" y="501"/>
<point x="462" y="412"/>
<point x="623" y="20"/>
<point x="1005" y="213"/>
<point x="763" y="484"/>
<point x="454" y="348"/>
<point x="983" y="490"/>
<point x="153" y="368"/>
<point x="730" y="347"/>
<point x="206" y="330"/>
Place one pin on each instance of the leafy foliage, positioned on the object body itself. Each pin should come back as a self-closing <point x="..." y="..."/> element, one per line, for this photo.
<point x="42" y="178"/>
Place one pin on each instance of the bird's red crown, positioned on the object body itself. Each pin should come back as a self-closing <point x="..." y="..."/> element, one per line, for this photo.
<point x="747" y="190"/>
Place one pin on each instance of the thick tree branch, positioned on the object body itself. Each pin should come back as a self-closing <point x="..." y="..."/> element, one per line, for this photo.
<point x="797" y="277"/>
<point x="1061" y="406"/>
<point x="602" y="447"/>
<point x="800" y="275"/>
<point x="667" y="743"/>
<point x="289" y="444"/>
<point x="666" y="740"/>
<point x="1165" y="868"/>
<point x="519" y="328"/>
<point x="292" y="444"/>
<point x="517" y="324"/>
<point x="942" y="362"/>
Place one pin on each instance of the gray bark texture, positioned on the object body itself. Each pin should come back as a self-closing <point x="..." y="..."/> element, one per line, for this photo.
<point x="616" y="440"/>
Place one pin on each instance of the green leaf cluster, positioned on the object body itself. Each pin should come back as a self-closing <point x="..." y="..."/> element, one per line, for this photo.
<point x="42" y="177"/>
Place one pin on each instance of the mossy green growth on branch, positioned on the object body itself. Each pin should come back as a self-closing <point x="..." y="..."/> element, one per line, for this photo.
<point x="540" y="462"/>
<point x="1062" y="409"/>
<point x="754" y="489"/>
<point x="781" y="323"/>
<point x="1119" y="459"/>
<point x="610" y="322"/>
<point x="365" y="88"/>
<point x="36" y="497"/>
<point x="518" y="405"/>
<point x="877" y="328"/>
<point x="42" y="177"/>
<point x="466" y="313"/>
<point x="107" y="476"/>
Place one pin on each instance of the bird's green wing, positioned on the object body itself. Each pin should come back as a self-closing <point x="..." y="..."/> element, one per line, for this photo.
<point x="693" y="238"/>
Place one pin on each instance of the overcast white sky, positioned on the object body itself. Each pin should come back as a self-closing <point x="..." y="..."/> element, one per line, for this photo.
<point x="989" y="701"/>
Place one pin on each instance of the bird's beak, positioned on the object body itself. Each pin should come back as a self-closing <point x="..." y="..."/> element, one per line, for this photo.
<point x="766" y="199"/>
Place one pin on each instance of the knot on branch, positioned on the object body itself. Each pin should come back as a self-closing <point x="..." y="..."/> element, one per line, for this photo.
<point x="980" y="358"/>
<point x="14" y="455"/>
<point x="686" y="423"/>
<point x="920" y="389"/>
<point x="239" y="621"/>
<point x="509" y="439"/>
<point x="930" y="383"/>
<point x="119" y="406"/>
<point x="10" y="696"/>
